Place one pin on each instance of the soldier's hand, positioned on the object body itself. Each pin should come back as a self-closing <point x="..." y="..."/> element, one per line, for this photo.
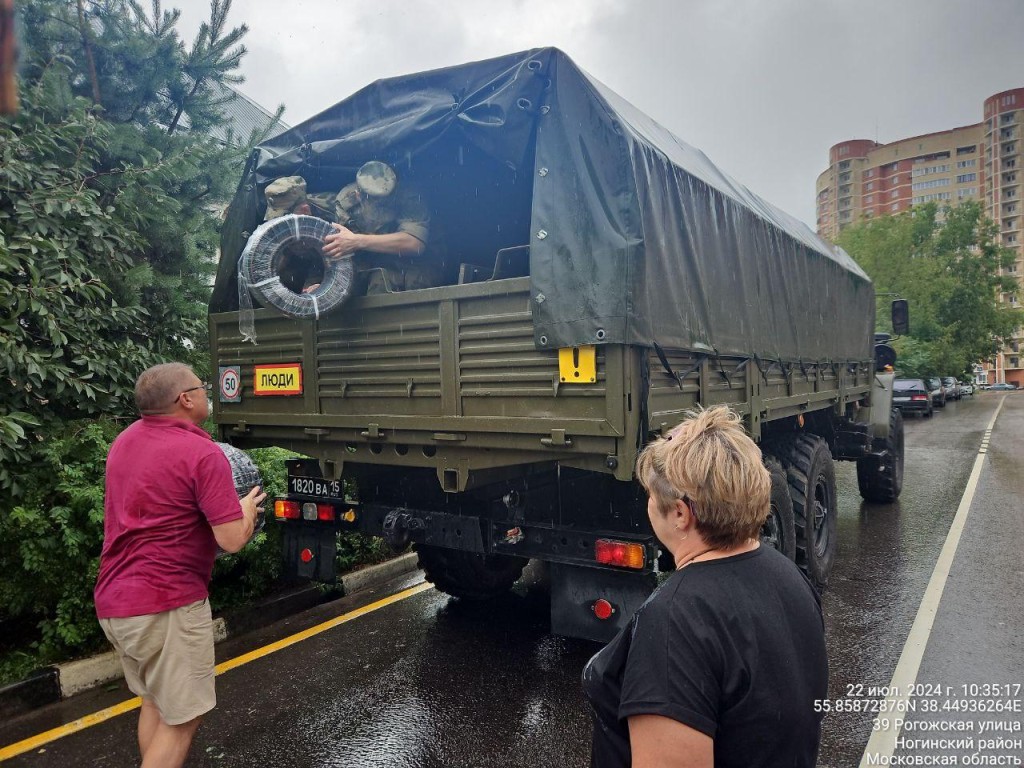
<point x="341" y="242"/>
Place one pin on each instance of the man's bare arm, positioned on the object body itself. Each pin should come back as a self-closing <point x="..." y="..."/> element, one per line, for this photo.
<point x="344" y="242"/>
<point x="232" y="536"/>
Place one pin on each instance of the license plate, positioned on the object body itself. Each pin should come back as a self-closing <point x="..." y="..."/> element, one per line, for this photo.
<point x="315" y="486"/>
<point x="901" y="399"/>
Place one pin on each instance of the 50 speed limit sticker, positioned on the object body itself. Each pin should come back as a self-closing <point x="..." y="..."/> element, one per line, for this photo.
<point x="230" y="384"/>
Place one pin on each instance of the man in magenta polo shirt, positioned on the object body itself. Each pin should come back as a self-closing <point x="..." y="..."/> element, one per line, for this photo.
<point x="170" y="501"/>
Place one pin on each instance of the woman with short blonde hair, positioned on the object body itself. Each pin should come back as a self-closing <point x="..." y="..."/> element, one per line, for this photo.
<point x="711" y="461"/>
<point x="722" y="665"/>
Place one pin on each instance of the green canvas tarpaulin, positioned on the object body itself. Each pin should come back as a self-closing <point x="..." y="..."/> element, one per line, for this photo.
<point x="635" y="237"/>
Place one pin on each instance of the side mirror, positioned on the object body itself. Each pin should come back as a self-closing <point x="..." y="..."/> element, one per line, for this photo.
<point x="900" y="317"/>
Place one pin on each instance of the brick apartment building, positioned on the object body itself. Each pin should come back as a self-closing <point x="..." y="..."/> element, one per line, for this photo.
<point x="984" y="161"/>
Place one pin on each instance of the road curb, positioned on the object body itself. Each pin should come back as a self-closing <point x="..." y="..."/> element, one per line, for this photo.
<point x="57" y="682"/>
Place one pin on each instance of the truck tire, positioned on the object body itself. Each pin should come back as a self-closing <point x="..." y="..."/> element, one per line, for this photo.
<point x="881" y="481"/>
<point x="469" y="575"/>
<point x="779" y="530"/>
<point x="812" y="486"/>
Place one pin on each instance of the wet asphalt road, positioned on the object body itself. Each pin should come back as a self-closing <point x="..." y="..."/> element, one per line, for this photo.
<point x="431" y="682"/>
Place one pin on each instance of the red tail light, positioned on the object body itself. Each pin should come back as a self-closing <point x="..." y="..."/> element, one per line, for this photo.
<point x="603" y="609"/>
<point x="622" y="553"/>
<point x="286" y="510"/>
<point x="919" y="397"/>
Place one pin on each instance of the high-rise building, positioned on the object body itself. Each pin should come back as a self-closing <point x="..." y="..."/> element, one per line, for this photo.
<point x="984" y="162"/>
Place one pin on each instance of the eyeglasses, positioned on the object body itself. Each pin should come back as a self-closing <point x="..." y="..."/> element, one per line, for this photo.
<point x="207" y="387"/>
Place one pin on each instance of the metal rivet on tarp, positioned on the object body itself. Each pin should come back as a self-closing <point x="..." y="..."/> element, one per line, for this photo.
<point x="543" y="171"/>
<point x="541" y="298"/>
<point x="533" y="64"/>
<point x="545" y="109"/>
<point x="542" y="234"/>
<point x="600" y="334"/>
<point x="543" y="341"/>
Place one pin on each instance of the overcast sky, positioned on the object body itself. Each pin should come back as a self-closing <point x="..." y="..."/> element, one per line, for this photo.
<point x="763" y="87"/>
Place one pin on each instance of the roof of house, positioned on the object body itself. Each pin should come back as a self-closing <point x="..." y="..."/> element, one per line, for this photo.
<point x="242" y="116"/>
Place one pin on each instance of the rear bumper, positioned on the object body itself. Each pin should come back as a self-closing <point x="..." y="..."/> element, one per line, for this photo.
<point x="922" y="406"/>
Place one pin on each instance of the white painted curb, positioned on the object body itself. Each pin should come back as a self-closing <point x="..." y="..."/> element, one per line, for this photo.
<point x="374" y="574"/>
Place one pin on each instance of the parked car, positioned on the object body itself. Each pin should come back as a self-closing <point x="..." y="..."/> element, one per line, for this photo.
<point x="1002" y="388"/>
<point x="967" y="388"/>
<point x="913" y="396"/>
<point x="938" y="392"/>
<point x="952" y="388"/>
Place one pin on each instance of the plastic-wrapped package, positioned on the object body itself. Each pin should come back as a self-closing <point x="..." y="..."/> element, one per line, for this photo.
<point x="246" y="476"/>
<point x="282" y="257"/>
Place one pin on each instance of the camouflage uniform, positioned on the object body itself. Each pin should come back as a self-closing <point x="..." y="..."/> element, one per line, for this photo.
<point x="287" y="193"/>
<point x="401" y="211"/>
<point x="284" y="195"/>
<point x="296" y="265"/>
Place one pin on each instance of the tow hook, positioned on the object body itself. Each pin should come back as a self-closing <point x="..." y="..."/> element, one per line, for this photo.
<point x="398" y="527"/>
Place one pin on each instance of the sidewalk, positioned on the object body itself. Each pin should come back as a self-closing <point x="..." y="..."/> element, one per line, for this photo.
<point x="51" y="684"/>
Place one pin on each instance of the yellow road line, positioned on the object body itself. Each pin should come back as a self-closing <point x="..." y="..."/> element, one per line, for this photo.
<point x="33" y="742"/>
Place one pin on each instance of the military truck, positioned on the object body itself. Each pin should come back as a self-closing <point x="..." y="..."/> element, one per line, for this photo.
<point x="601" y="278"/>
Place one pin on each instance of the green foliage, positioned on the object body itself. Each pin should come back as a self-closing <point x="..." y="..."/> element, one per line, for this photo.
<point x="948" y="265"/>
<point x="355" y="550"/>
<point x="50" y="543"/>
<point x="68" y="348"/>
<point x="111" y="182"/>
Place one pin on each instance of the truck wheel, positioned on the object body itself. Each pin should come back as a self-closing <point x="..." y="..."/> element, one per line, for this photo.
<point x="469" y="575"/>
<point x="812" y="485"/>
<point x="882" y="481"/>
<point x="779" y="530"/>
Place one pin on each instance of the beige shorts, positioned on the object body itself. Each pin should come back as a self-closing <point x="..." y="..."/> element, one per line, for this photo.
<point x="168" y="658"/>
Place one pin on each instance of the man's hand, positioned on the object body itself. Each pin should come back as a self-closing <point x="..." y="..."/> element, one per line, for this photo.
<point x="342" y="242"/>
<point x="251" y="504"/>
<point x="232" y="536"/>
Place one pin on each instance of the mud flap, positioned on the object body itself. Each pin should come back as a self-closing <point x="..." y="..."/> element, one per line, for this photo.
<point x="575" y="589"/>
<point x="309" y="552"/>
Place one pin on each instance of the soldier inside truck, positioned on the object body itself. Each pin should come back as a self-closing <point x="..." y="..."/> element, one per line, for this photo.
<point x="478" y="219"/>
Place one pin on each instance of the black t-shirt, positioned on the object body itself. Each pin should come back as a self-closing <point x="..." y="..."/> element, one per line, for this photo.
<point x="734" y="648"/>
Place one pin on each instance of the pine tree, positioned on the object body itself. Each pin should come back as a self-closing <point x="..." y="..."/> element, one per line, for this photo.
<point x="110" y="190"/>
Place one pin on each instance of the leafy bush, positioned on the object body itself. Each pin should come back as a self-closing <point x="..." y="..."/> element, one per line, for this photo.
<point x="50" y="544"/>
